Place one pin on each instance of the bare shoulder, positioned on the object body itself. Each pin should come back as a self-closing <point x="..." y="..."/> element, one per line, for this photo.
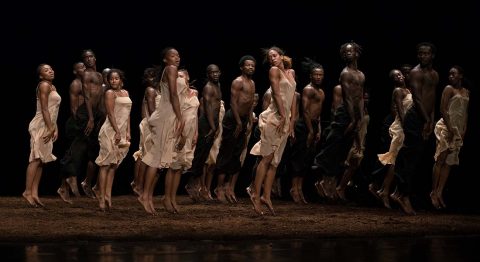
<point x="44" y="87"/>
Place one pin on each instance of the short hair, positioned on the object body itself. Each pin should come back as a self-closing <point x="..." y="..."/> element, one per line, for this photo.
<point x="210" y="67"/>
<point x="244" y="58"/>
<point x="86" y="51"/>
<point x="433" y="48"/>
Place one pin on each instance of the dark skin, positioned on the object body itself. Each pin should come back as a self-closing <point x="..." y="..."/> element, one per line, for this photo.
<point x="92" y="88"/>
<point x="242" y="95"/>
<point x="312" y="102"/>
<point x="352" y="81"/>
<point x="76" y="95"/>
<point x="399" y="93"/>
<point x="423" y="81"/>
<point x="212" y="97"/>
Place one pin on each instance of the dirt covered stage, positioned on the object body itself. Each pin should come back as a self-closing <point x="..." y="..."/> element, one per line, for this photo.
<point x="127" y="220"/>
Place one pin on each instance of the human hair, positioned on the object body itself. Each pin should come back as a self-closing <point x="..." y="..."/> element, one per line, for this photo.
<point x="86" y="51"/>
<point x="39" y="69"/>
<point x="149" y="72"/>
<point x="244" y="58"/>
<point x="459" y="69"/>
<point x="164" y="51"/>
<point x="433" y="48"/>
<point x="275" y="48"/>
<point x="287" y="62"/>
<point x="211" y="66"/>
<point x="120" y="73"/>
<point x="309" y="65"/>
<point x="356" y="47"/>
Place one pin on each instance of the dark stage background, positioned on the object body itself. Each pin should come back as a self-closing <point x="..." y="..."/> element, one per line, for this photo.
<point x="131" y="37"/>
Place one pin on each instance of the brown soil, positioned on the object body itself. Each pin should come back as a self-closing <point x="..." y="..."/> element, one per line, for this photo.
<point x="127" y="220"/>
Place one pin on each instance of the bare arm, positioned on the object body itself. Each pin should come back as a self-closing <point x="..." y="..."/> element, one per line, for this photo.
<point x="267" y="97"/>
<point x="307" y="94"/>
<point x="44" y="90"/>
<point x="274" y="76"/>
<point x="397" y="97"/>
<point x="208" y="96"/>
<point x="446" y="96"/>
<point x="337" y="97"/>
<point x="128" y="136"/>
<point x="172" y="74"/>
<point x="150" y="95"/>
<point x="75" y="91"/>
<point x="235" y="90"/>
<point x="110" y="108"/>
<point x="88" y="103"/>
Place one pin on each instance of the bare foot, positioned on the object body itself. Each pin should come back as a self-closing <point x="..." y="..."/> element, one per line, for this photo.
<point x="372" y="189"/>
<point x="205" y="195"/>
<point x="255" y="202"/>
<point x="320" y="189"/>
<point x="29" y="199"/>
<point x="341" y="194"/>
<point x="192" y="193"/>
<point x="175" y="207"/>
<point x="135" y="189"/>
<point x="269" y="205"/>
<point x="37" y="200"/>
<point x="145" y="205"/>
<point x="294" y="195"/>
<point x="96" y="193"/>
<point x="384" y="197"/>
<point x="152" y="207"/>
<point x="405" y="204"/>
<point x="435" y="200"/>
<point x="220" y="193"/>
<point x="87" y="190"/>
<point x="72" y="183"/>
<point x="168" y="206"/>
<point x="302" y="197"/>
<point x="64" y="195"/>
<point x="101" y="205"/>
<point x="440" y="199"/>
<point x="108" y="200"/>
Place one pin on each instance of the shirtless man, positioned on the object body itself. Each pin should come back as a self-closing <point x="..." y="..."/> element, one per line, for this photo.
<point x="93" y="91"/>
<point x="208" y="128"/>
<point x="72" y="130"/>
<point x="417" y="125"/>
<point x="307" y="130"/>
<point x="235" y="125"/>
<point x="345" y="127"/>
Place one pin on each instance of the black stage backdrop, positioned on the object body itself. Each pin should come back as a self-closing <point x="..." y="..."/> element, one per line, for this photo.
<point x="131" y="37"/>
